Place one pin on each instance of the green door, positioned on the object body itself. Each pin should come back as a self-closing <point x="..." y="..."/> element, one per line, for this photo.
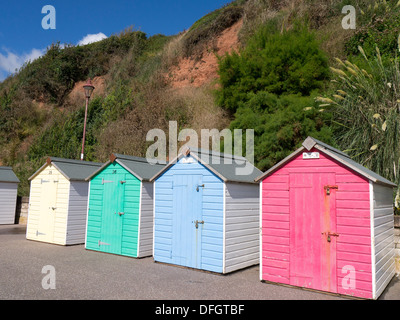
<point x="113" y="213"/>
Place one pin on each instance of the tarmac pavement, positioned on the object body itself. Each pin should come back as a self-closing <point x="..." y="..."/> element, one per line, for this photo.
<point x="82" y="274"/>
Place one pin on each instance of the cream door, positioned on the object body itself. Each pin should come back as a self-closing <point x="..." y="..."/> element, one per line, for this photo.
<point x="48" y="209"/>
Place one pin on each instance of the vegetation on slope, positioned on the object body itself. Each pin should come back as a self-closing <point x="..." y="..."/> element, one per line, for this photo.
<point x="274" y="84"/>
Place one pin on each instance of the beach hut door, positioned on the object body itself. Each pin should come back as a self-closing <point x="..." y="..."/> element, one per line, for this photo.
<point x="113" y="214"/>
<point x="313" y="231"/>
<point x="48" y="209"/>
<point x="188" y="222"/>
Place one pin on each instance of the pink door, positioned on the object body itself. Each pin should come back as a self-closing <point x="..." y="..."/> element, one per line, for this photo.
<point x="313" y="231"/>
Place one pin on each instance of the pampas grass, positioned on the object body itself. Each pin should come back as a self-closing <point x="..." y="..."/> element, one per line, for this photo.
<point x="367" y="113"/>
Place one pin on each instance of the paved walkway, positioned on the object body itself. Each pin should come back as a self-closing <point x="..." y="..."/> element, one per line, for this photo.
<point x="82" y="274"/>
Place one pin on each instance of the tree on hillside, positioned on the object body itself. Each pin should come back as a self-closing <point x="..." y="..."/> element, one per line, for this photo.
<point x="269" y="87"/>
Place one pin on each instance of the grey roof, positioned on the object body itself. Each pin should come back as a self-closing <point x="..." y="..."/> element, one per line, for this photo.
<point x="226" y="166"/>
<point x="139" y="167"/>
<point x="8" y="175"/>
<point x="340" y="156"/>
<point x="73" y="170"/>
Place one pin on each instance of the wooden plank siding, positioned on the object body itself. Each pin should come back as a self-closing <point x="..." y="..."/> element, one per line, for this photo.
<point x="383" y="236"/>
<point x="146" y="221"/>
<point x="8" y="202"/>
<point x="353" y="223"/>
<point x="241" y="225"/>
<point x="77" y="210"/>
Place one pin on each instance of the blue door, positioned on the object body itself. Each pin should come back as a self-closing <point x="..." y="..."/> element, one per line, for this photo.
<point x="187" y="220"/>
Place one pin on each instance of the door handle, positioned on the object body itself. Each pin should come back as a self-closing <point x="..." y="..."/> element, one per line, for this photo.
<point x="198" y="186"/>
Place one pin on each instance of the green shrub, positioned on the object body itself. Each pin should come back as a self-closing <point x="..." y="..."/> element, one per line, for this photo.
<point x="52" y="76"/>
<point x="378" y="24"/>
<point x="281" y="63"/>
<point x="280" y="125"/>
<point x="270" y="87"/>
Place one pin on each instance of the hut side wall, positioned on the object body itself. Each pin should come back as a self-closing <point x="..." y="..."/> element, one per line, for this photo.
<point x="353" y="224"/>
<point x="8" y="202"/>
<point x="383" y="231"/>
<point x="146" y="221"/>
<point x="242" y="231"/>
<point x="77" y="210"/>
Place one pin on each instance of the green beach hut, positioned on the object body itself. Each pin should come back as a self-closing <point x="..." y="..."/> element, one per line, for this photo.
<point x="120" y="207"/>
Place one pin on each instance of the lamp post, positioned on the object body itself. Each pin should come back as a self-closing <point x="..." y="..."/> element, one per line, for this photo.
<point x="88" y="87"/>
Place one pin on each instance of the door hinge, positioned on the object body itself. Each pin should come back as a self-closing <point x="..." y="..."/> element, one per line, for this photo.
<point x="103" y="243"/>
<point x="106" y="181"/>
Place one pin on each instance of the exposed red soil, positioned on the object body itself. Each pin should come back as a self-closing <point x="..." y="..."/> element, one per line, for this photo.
<point x="77" y="96"/>
<point x="196" y="73"/>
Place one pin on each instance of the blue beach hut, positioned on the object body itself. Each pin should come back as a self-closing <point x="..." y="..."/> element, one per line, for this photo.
<point x="206" y="215"/>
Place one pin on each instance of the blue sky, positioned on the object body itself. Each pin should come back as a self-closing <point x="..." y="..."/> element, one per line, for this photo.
<point x="22" y="37"/>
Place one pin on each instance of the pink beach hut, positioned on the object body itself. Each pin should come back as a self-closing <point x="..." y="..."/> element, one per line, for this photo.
<point x="327" y="223"/>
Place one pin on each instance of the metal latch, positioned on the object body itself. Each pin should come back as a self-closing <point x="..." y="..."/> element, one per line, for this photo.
<point x="329" y="234"/>
<point x="198" y="186"/>
<point x="328" y="189"/>
<point x="121" y="213"/>
<point x="122" y="181"/>
<point x="197" y="222"/>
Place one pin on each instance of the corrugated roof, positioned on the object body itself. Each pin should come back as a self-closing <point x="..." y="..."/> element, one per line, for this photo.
<point x="8" y="175"/>
<point x="339" y="156"/>
<point x="138" y="166"/>
<point x="76" y="170"/>
<point x="226" y="166"/>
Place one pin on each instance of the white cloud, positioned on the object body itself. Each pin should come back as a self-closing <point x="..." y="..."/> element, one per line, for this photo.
<point x="90" y="38"/>
<point x="10" y="62"/>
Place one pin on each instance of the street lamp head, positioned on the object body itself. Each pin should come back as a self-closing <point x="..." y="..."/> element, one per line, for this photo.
<point x="88" y="88"/>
